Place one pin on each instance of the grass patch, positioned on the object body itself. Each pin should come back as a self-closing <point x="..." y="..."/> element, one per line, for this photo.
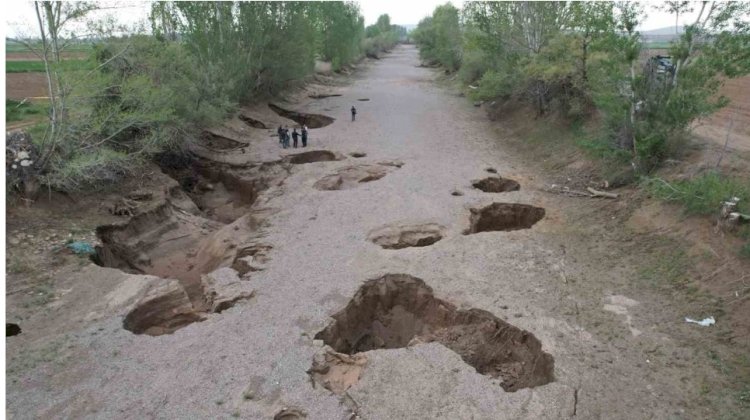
<point x="669" y="268"/>
<point x="19" y="111"/>
<point x="745" y="250"/>
<point x="36" y="66"/>
<point x="703" y="194"/>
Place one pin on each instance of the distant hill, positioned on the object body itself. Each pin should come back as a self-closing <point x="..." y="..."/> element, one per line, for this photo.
<point x="668" y="30"/>
<point x="661" y="35"/>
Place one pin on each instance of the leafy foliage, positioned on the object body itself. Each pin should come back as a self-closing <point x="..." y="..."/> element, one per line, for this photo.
<point x="439" y="37"/>
<point x="579" y="58"/>
<point x="702" y="195"/>
<point x="139" y="95"/>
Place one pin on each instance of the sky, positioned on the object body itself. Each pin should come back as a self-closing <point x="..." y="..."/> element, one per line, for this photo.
<point x="20" y="17"/>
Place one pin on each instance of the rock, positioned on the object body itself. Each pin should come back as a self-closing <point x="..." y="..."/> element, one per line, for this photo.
<point x="143" y="259"/>
<point x="224" y="288"/>
<point x="250" y="258"/>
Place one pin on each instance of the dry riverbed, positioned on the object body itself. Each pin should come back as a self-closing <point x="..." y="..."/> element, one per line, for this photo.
<point x="406" y="265"/>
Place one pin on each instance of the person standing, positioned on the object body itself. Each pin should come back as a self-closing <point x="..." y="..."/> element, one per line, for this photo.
<point x="286" y="137"/>
<point x="304" y="136"/>
<point x="280" y="132"/>
<point x="354" y="113"/>
<point x="295" y="136"/>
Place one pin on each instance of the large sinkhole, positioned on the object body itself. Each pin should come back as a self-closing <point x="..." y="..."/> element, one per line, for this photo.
<point x="504" y="217"/>
<point x="183" y="237"/>
<point x="219" y="142"/>
<point x="162" y="314"/>
<point x="313" y="156"/>
<point x="301" y="118"/>
<point x="405" y="236"/>
<point x="252" y="122"/>
<point x="496" y="185"/>
<point x="397" y="309"/>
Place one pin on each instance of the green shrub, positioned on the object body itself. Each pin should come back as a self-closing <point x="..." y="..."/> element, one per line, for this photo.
<point x="474" y="65"/>
<point x="703" y="194"/>
<point x="494" y="84"/>
<point x="92" y="170"/>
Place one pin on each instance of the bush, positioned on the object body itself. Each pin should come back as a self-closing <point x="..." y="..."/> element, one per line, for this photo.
<point x="494" y="84"/>
<point x="92" y="171"/>
<point x="147" y="96"/>
<point x="702" y="195"/>
<point x="475" y="64"/>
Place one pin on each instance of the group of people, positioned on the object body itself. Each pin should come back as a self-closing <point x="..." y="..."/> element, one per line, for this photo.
<point x="284" y="136"/>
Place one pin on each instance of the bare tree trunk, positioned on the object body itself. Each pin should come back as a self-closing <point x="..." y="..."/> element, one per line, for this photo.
<point x="52" y="130"/>
<point x="632" y="110"/>
<point x="726" y="141"/>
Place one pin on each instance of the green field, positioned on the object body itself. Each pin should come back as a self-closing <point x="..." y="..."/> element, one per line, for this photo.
<point x="17" y="111"/>
<point x="38" y="66"/>
<point x="13" y="46"/>
<point x="657" y="45"/>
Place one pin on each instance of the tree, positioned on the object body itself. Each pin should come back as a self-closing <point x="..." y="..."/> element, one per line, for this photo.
<point x="52" y="18"/>
<point x="676" y="8"/>
<point x="439" y="37"/>
<point x="590" y="22"/>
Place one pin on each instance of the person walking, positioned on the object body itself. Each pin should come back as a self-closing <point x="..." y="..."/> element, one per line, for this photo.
<point x="295" y="136"/>
<point x="280" y="132"/>
<point x="354" y="113"/>
<point x="304" y="136"/>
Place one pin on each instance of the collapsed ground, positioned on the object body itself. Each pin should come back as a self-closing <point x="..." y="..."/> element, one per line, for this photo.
<point x="406" y="265"/>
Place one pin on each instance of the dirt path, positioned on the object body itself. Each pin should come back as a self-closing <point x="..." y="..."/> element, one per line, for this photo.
<point x="535" y="314"/>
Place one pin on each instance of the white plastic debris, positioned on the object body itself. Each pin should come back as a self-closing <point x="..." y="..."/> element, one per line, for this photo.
<point x="703" y="323"/>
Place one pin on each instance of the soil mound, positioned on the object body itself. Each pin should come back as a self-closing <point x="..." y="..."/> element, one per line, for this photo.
<point x="301" y="118"/>
<point x="496" y="185"/>
<point x="504" y="217"/>
<point x="397" y="310"/>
